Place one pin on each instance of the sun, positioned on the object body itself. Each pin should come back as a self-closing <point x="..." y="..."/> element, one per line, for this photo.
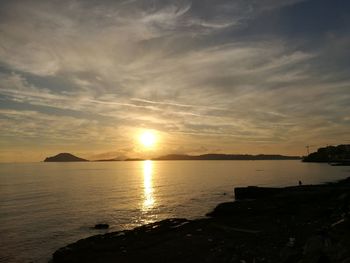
<point x="148" y="139"/>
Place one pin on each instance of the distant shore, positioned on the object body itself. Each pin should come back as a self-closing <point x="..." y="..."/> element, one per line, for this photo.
<point x="68" y="157"/>
<point x="292" y="224"/>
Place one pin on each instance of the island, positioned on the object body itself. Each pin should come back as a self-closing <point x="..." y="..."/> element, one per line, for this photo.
<point x="304" y="224"/>
<point x="65" y="157"/>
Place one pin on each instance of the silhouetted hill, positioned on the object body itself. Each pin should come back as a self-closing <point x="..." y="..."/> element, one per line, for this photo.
<point x="108" y="160"/>
<point x="64" y="157"/>
<point x="340" y="153"/>
<point x="216" y="156"/>
<point x="134" y="159"/>
<point x="175" y="157"/>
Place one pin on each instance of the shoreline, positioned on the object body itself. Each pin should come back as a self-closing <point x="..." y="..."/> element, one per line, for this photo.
<point x="294" y="224"/>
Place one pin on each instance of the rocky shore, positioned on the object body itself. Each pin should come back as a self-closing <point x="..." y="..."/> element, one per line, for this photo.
<point x="293" y="224"/>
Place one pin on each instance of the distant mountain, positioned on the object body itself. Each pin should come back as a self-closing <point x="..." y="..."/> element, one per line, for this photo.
<point x="330" y="154"/>
<point x="67" y="157"/>
<point x="175" y="157"/>
<point x="108" y="160"/>
<point x="134" y="159"/>
<point x="216" y="156"/>
<point x="64" y="157"/>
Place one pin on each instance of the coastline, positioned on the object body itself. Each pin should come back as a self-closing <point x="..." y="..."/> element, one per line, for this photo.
<point x="295" y="224"/>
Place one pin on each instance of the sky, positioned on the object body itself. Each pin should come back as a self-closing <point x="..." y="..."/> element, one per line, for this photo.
<point x="223" y="76"/>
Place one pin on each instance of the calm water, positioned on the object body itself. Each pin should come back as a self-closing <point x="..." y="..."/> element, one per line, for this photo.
<point x="44" y="206"/>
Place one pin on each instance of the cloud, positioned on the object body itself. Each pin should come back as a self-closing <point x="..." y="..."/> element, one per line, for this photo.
<point x="39" y="126"/>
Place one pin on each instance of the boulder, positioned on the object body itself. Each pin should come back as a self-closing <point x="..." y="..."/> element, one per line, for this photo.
<point x="254" y="192"/>
<point x="101" y="226"/>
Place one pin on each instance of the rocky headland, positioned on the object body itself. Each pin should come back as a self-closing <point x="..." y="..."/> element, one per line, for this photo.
<point x="305" y="224"/>
<point x="339" y="154"/>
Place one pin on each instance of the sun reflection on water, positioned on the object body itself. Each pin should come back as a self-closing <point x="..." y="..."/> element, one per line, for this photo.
<point x="149" y="201"/>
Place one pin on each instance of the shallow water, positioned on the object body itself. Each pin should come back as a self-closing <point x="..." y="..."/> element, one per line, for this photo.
<point x="44" y="206"/>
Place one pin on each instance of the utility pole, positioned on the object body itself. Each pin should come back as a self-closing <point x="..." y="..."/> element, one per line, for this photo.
<point x="307" y="149"/>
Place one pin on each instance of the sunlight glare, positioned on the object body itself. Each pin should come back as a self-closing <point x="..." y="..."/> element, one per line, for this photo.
<point x="148" y="139"/>
<point x="148" y="185"/>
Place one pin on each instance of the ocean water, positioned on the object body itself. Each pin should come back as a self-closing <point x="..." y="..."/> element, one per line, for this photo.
<point x="44" y="206"/>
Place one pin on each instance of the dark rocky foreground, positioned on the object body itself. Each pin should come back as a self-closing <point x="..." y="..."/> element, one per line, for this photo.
<point x="293" y="224"/>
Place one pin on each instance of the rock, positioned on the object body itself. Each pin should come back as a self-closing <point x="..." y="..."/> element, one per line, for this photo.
<point x="101" y="226"/>
<point x="290" y="253"/>
<point x="315" y="250"/>
<point x="254" y="192"/>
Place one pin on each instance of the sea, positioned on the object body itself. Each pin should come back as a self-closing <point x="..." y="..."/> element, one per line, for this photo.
<point x="44" y="206"/>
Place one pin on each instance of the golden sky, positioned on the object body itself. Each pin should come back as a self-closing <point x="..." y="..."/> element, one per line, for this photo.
<point x="88" y="77"/>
